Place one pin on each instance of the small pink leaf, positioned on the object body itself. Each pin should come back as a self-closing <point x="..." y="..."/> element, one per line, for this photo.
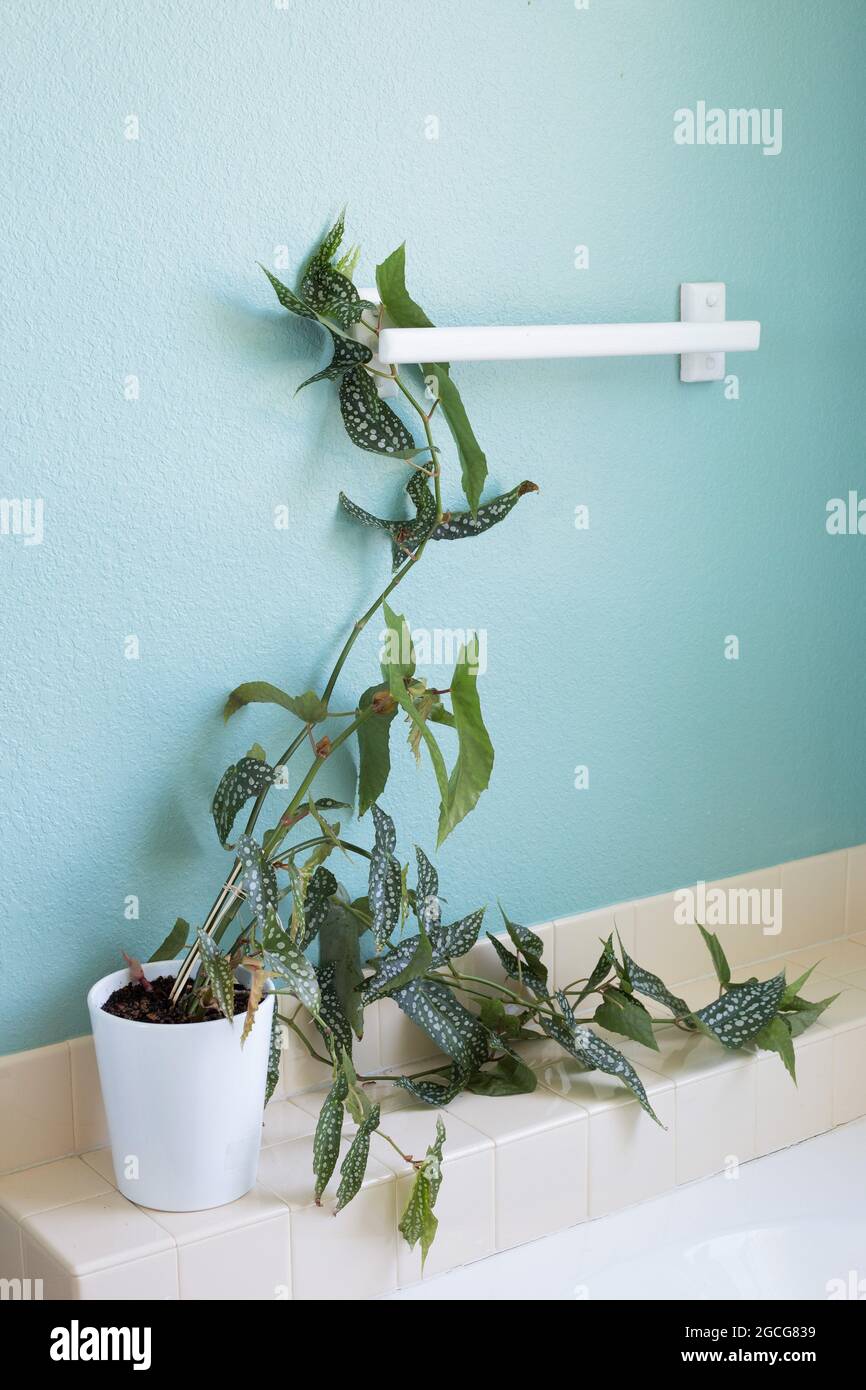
<point x="136" y="972"/>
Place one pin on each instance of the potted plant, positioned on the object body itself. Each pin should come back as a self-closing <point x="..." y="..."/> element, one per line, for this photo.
<point x="280" y="897"/>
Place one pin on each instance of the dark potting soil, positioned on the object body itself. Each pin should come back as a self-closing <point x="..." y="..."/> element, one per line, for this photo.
<point x="152" y="1005"/>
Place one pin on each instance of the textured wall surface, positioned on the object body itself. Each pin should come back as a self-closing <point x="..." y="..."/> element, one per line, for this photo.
<point x="136" y="258"/>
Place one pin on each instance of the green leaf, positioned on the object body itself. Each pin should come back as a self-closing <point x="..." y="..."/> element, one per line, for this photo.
<point x="406" y="534"/>
<point x="385" y="892"/>
<point x="331" y="1020"/>
<point x="445" y="943"/>
<point x="775" y="1036"/>
<point x="326" y="289"/>
<point x="316" y="905"/>
<point x="174" y="943"/>
<point x="307" y="707"/>
<point x="218" y="972"/>
<point x="600" y="971"/>
<point x="370" y="423"/>
<point x="239" y="782"/>
<point x="275" y="1048"/>
<point x="595" y="1053"/>
<point x="804" y="1013"/>
<point x="258" y="882"/>
<point x="517" y="970"/>
<point x="405" y="313"/>
<point x="528" y="945"/>
<point x="719" y="959"/>
<point x="428" y="909"/>
<point x="498" y="1020"/>
<point x="289" y="299"/>
<point x="742" y="1011"/>
<point x="374" y="753"/>
<point x="347" y="353"/>
<point x="645" y="982"/>
<point x="471" y="773"/>
<point x="458" y="526"/>
<point x="354" y="1165"/>
<point x="329" y="1128"/>
<point x="340" y="947"/>
<point x="418" y="1222"/>
<point x="285" y="962"/>
<point x="507" y="1077"/>
<point x="454" y="1030"/>
<point x="619" y="1013"/>
<point x="399" y="667"/>
<point x="430" y="1092"/>
<point x="792" y="990"/>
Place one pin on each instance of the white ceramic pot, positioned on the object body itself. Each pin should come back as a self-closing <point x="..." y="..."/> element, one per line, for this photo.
<point x="183" y="1101"/>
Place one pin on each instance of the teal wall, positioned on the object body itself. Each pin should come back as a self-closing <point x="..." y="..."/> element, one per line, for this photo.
<point x="605" y="647"/>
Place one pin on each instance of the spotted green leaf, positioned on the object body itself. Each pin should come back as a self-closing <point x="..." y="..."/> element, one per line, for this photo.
<point x="374" y="752"/>
<point x="431" y="1092"/>
<point x="331" y="1020"/>
<point x="354" y="1165"/>
<point x="519" y="970"/>
<point x="446" y="943"/>
<point x="347" y="353"/>
<point x="275" y="1048"/>
<point x="339" y="946"/>
<point x="258" y="882"/>
<point x="171" y="947"/>
<point x="287" y="964"/>
<point x="218" y="971"/>
<point x="370" y="422"/>
<point x="645" y="982"/>
<point x="742" y="1011"/>
<point x="307" y="707"/>
<point x="329" y="1128"/>
<point x="457" y="526"/>
<point x="385" y="889"/>
<point x="406" y="534"/>
<point x="455" y="1031"/>
<point x="239" y="782"/>
<point x="595" y="1053"/>
<point x="418" y="1222"/>
<point x="405" y="313"/>
<point x="325" y="288"/>
<point x="427" y="905"/>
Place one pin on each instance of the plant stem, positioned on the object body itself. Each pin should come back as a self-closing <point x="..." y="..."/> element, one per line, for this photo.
<point x="290" y="1022"/>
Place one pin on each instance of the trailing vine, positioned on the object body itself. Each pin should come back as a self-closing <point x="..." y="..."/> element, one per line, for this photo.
<point x="288" y="897"/>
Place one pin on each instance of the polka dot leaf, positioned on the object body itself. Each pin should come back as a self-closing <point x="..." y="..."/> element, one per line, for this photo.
<point x="238" y="784"/>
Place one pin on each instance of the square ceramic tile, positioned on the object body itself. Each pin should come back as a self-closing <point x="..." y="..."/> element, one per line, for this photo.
<point x="96" y="1233"/>
<point x="88" y="1115"/>
<point x="715" y="1120"/>
<point x="464" y="1208"/>
<point x="540" y="1161"/>
<point x="186" y="1227"/>
<point x="285" y="1120"/>
<point x="350" y="1256"/>
<point x="835" y="959"/>
<point x="855" y="910"/>
<point x="749" y="918"/>
<point x="787" y="1113"/>
<point x="630" y="1156"/>
<point x="36" y="1105"/>
<point x="849" y="1073"/>
<point x="49" y="1185"/>
<point x="250" y="1262"/>
<point x="11" y="1259"/>
<point x="56" y="1283"/>
<point x="668" y="947"/>
<point x="101" y="1162"/>
<point x="813" y="900"/>
<point x="151" y="1280"/>
<point x="579" y="940"/>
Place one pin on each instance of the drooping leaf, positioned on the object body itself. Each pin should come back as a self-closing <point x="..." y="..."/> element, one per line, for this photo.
<point x="397" y="668"/>
<point x="645" y="982"/>
<point x="445" y="943"/>
<point x="254" y="997"/>
<point x="509" y="1076"/>
<point x="339" y="946"/>
<point x="384" y="885"/>
<point x="742" y="1011"/>
<point x="597" y="1054"/>
<point x="471" y="772"/>
<point x="418" y="1222"/>
<point x="219" y="974"/>
<point x="331" y="1019"/>
<point x="717" y="955"/>
<point x="374" y="754"/>
<point x="239" y="782"/>
<point x="329" y="1127"/>
<point x="347" y="353"/>
<point x="171" y="947"/>
<point x="458" y="526"/>
<point x="258" y="882"/>
<point x="354" y="1165"/>
<point x="775" y="1036"/>
<point x="405" y="313"/>
<point x="406" y="534"/>
<point x="455" y="1031"/>
<point x="369" y="421"/>
<point x="274" y="1051"/>
<point x="357" y="1101"/>
<point x="620" y="1013"/>
<point x="309" y="708"/>
<point x="316" y="903"/>
<point x="289" y="299"/>
<point x="427" y="905"/>
<point x="431" y="1092"/>
<point x="286" y="963"/>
